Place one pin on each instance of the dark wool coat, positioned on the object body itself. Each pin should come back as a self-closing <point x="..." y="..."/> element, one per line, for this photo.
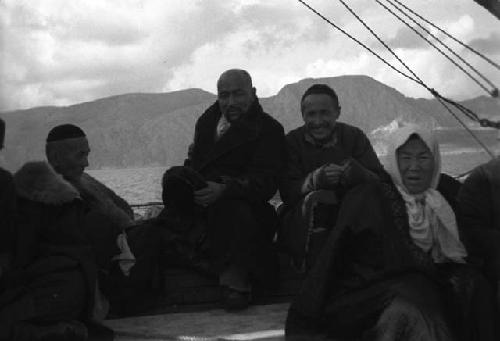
<point x="7" y="216"/>
<point x="370" y="258"/>
<point x="479" y="200"/>
<point x="248" y="159"/>
<point x="305" y="157"/>
<point x="300" y="215"/>
<point x="50" y="239"/>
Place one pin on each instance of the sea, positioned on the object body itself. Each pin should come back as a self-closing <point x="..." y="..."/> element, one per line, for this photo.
<point x="460" y="153"/>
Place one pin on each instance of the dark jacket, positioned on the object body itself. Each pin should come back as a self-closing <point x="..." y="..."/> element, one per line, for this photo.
<point x="363" y="250"/>
<point x="479" y="201"/>
<point x="248" y="157"/>
<point x="304" y="158"/>
<point x="7" y="216"/>
<point x="50" y="229"/>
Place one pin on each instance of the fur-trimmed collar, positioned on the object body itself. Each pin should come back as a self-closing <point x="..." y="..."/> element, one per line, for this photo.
<point x="38" y="181"/>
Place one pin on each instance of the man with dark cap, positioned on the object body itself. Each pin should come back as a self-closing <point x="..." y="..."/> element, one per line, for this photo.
<point x="234" y="163"/>
<point x="107" y="217"/>
<point x="51" y="287"/>
<point x="325" y="158"/>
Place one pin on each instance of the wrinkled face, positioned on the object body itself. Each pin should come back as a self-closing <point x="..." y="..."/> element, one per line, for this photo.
<point x="72" y="158"/>
<point x="235" y="95"/>
<point x="320" y="113"/>
<point x="416" y="165"/>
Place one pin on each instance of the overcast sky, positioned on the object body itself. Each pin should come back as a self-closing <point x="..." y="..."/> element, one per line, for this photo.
<point x="60" y="52"/>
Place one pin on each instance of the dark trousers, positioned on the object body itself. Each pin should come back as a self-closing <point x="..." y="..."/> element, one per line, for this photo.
<point x="229" y="232"/>
<point x="241" y="235"/>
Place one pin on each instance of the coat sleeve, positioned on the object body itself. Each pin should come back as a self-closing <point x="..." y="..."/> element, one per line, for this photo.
<point x="364" y="165"/>
<point x="294" y="184"/>
<point x="260" y="180"/>
<point x="476" y="218"/>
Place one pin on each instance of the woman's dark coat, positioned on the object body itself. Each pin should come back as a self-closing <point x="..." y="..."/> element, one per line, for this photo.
<point x="363" y="253"/>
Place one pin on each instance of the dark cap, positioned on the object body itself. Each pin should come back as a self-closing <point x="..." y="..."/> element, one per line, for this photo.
<point x="65" y="131"/>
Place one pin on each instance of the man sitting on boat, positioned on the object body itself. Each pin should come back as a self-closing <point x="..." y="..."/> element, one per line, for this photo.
<point x="51" y="282"/>
<point x="109" y="221"/>
<point x="7" y="212"/>
<point x="233" y="168"/>
<point x="395" y="267"/>
<point x="325" y="158"/>
<point x="479" y="200"/>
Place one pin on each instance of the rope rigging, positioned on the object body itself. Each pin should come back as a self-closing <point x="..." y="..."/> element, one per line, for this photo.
<point x="441" y="99"/>
<point x="490" y="92"/>
<point x="479" y="54"/>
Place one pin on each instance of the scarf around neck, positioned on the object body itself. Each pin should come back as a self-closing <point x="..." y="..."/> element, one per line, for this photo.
<point x="432" y="222"/>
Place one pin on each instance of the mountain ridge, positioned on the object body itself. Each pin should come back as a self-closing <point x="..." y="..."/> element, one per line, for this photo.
<point x="155" y="129"/>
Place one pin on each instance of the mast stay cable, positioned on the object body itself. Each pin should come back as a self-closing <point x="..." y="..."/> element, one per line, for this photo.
<point x="432" y="91"/>
<point x="449" y="35"/>
<point x="493" y="92"/>
<point x="469" y="113"/>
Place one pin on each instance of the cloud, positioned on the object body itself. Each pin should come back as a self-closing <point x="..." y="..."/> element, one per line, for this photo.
<point x="59" y="52"/>
<point x="408" y="39"/>
<point x="488" y="45"/>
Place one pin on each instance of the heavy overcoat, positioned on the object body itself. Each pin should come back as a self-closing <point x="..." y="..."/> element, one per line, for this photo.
<point x="51" y="252"/>
<point x="7" y="216"/>
<point x="366" y="262"/>
<point x="479" y="200"/>
<point x="305" y="208"/>
<point x="248" y="159"/>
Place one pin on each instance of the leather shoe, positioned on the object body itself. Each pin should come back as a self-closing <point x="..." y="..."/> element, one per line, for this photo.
<point x="235" y="300"/>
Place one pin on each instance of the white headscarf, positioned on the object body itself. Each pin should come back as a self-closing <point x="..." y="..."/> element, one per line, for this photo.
<point x="433" y="226"/>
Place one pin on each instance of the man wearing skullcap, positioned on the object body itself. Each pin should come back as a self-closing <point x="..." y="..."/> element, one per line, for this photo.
<point x="107" y="216"/>
<point x="71" y="246"/>
<point x="51" y="283"/>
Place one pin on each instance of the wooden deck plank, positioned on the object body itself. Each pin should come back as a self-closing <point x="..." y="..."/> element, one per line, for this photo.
<point x="258" y="322"/>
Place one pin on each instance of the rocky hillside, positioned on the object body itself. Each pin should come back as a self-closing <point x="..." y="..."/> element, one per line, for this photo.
<point x="136" y="130"/>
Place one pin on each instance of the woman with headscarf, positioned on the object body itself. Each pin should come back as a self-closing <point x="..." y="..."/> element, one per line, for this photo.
<point x="394" y="267"/>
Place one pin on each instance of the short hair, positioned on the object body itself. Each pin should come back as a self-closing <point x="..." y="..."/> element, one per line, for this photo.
<point x="240" y="72"/>
<point x="320" y="89"/>
<point x="2" y="132"/>
<point x="64" y="132"/>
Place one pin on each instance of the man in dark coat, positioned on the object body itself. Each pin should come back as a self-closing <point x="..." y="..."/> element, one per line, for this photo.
<point x="7" y="212"/>
<point x="479" y="200"/>
<point x="236" y="158"/>
<point x="325" y="158"/>
<point x="52" y="282"/>
<point x="51" y="279"/>
<point x="126" y="254"/>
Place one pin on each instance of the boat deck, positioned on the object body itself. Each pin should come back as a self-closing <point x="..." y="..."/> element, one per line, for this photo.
<point x="258" y="322"/>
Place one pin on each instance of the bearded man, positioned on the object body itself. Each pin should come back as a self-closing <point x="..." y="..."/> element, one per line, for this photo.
<point x="234" y="162"/>
<point x="325" y="159"/>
